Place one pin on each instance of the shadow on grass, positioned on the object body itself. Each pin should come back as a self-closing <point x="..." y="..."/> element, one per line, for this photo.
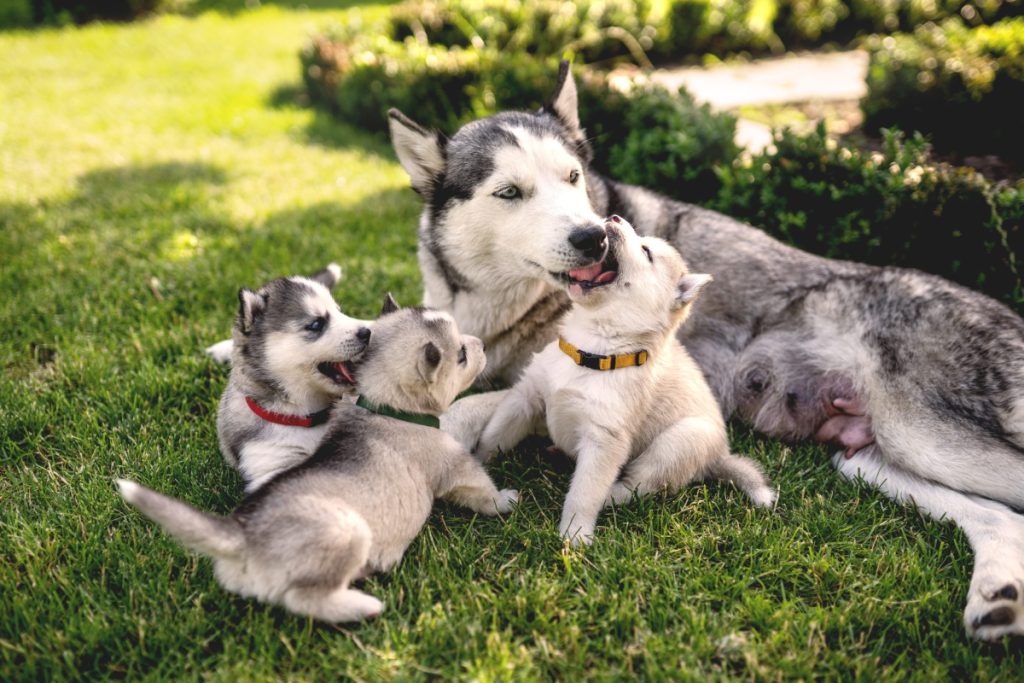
<point x="238" y="6"/>
<point x="325" y="129"/>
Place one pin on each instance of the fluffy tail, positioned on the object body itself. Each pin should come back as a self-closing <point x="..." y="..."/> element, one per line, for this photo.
<point x="212" y="535"/>
<point x="747" y="476"/>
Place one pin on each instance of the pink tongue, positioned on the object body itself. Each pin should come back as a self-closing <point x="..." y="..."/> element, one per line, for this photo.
<point x="340" y="367"/>
<point x="588" y="273"/>
<point x="606" y="276"/>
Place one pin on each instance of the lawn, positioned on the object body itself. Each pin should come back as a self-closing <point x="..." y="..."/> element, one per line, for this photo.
<point x="146" y="172"/>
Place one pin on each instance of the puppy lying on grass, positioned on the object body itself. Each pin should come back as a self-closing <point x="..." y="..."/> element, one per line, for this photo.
<point x="356" y="504"/>
<point x="619" y="393"/>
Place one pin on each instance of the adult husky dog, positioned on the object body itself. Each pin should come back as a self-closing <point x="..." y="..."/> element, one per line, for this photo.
<point x="922" y="381"/>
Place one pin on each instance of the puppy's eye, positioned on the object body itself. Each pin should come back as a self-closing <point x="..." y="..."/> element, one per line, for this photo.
<point x="317" y="325"/>
<point x="648" y="252"/>
<point x="574" y="175"/>
<point x="508" y="192"/>
<point x="462" y="355"/>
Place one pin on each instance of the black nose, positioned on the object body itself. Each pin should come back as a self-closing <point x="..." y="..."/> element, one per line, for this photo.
<point x="363" y="335"/>
<point x="591" y="241"/>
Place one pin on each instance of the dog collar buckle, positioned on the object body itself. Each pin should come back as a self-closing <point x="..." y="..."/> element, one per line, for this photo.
<point x="595" y="361"/>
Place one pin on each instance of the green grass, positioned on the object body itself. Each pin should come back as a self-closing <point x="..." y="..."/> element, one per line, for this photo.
<point x="146" y="172"/>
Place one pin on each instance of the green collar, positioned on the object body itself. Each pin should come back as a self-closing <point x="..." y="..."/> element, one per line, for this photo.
<point x="388" y="411"/>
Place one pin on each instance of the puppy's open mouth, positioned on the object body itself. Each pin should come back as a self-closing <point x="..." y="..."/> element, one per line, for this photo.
<point x="338" y="372"/>
<point x="597" y="275"/>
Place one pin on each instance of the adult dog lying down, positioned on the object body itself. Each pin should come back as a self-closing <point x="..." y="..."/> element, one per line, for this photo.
<point x="919" y="380"/>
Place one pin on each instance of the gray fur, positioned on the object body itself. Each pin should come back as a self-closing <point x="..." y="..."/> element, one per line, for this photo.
<point x="931" y="373"/>
<point x="354" y="505"/>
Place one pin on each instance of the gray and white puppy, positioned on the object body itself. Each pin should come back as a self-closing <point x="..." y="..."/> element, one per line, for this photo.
<point x="619" y="394"/>
<point x="352" y="508"/>
<point x="291" y="360"/>
<point x="922" y="379"/>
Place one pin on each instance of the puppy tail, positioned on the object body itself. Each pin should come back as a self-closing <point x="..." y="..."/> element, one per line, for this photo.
<point x="747" y="476"/>
<point x="213" y="535"/>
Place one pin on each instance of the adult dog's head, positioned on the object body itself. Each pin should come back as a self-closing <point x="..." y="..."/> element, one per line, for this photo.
<point x="506" y="196"/>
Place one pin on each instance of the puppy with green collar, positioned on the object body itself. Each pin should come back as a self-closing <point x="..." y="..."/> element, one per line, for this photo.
<point x="619" y="393"/>
<point x="354" y="506"/>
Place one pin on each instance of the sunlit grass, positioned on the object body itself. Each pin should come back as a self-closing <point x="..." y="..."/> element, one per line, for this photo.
<point x="149" y="170"/>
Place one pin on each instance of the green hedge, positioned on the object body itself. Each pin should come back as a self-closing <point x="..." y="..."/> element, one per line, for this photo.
<point x="963" y="87"/>
<point x="889" y="208"/>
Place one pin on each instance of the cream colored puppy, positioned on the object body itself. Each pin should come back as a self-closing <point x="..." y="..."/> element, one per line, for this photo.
<point x="618" y="392"/>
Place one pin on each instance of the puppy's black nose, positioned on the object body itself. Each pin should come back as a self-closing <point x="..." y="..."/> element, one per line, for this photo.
<point x="363" y="335"/>
<point x="591" y="241"/>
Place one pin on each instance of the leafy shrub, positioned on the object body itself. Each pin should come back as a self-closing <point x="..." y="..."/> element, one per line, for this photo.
<point x="962" y="86"/>
<point x="15" y="13"/>
<point x="891" y="208"/>
<point x="594" y="29"/>
<point x="656" y="138"/>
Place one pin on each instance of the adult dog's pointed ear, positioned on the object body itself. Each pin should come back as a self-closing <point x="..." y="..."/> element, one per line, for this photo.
<point x="420" y="151"/>
<point x="689" y="286"/>
<point x="564" y="102"/>
<point x="250" y="306"/>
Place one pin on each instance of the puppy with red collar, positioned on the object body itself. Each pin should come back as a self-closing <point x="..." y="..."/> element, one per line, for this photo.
<point x="291" y="359"/>
<point x="619" y="393"/>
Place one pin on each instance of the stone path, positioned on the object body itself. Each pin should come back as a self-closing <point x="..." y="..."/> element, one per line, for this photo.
<point x="794" y="78"/>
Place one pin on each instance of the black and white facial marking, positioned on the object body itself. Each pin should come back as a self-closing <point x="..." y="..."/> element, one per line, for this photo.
<point x="295" y="340"/>
<point x="418" y="361"/>
<point x="505" y="199"/>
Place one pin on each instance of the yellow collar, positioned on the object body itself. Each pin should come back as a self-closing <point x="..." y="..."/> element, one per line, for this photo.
<point x="597" y="362"/>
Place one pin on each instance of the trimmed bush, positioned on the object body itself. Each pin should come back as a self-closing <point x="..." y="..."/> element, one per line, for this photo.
<point x="961" y="86"/>
<point x="889" y="208"/>
<point x="15" y="13"/>
<point x="656" y="138"/>
<point x="593" y="29"/>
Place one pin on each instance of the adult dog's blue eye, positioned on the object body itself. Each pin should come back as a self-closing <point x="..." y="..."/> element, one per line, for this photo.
<point x="509" y="192"/>
<point x="574" y="175"/>
<point x="317" y="325"/>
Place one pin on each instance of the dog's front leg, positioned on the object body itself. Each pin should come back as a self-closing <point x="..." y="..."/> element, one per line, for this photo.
<point x="599" y="458"/>
<point x="995" y="601"/>
<point x="512" y="420"/>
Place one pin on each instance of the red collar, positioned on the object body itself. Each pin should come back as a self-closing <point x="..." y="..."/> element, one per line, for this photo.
<point x="311" y="420"/>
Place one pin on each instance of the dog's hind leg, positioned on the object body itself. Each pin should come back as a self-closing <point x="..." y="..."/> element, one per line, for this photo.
<point x="995" y="601"/>
<point x="469" y="485"/>
<point x="674" y="458"/>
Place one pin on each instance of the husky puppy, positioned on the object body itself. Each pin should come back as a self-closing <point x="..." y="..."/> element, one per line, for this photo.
<point x="633" y="395"/>
<point x="924" y="376"/>
<point x="292" y="358"/>
<point x="352" y="508"/>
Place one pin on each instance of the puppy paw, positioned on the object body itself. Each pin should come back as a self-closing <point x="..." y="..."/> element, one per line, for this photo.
<point x="995" y="602"/>
<point x="506" y="501"/>
<point x="577" y="534"/>
<point x="221" y="351"/>
<point x="620" y="494"/>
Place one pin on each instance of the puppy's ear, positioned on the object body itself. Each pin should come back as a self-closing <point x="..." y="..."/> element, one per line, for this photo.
<point x="689" y="287"/>
<point x="329" y="276"/>
<point x="420" y="151"/>
<point x="564" y="102"/>
<point x="429" y="362"/>
<point x="390" y="305"/>
<point x="250" y="306"/>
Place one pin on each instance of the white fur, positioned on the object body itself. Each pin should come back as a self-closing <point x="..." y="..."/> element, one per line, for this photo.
<point x="995" y="532"/>
<point x="660" y="418"/>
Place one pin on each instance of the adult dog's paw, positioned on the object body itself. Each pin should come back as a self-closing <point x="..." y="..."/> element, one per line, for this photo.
<point x="995" y="603"/>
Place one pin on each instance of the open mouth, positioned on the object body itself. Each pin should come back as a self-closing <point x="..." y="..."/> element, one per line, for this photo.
<point x="597" y="275"/>
<point x="338" y="372"/>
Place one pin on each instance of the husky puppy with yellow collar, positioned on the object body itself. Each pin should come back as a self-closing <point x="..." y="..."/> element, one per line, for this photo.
<point x="619" y="394"/>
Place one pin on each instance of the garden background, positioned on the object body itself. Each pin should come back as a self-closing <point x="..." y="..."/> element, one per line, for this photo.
<point x="155" y="160"/>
